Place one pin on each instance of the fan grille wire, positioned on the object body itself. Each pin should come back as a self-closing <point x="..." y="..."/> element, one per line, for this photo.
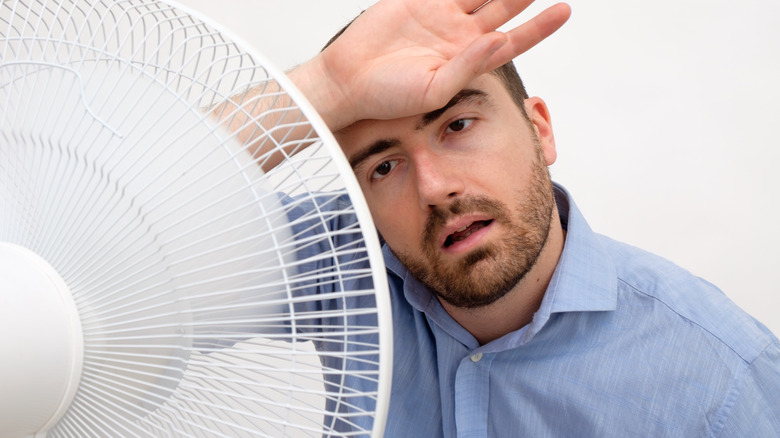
<point x="187" y="269"/>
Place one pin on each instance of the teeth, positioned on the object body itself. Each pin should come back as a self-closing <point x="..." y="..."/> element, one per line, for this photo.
<point x="462" y="229"/>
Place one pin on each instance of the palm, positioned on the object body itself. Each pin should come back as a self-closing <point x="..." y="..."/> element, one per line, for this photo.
<point x="405" y="57"/>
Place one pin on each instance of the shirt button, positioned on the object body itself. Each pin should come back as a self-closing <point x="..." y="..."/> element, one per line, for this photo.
<point x="476" y="357"/>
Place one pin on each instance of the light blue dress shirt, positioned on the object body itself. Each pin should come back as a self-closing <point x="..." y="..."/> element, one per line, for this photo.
<point x="625" y="344"/>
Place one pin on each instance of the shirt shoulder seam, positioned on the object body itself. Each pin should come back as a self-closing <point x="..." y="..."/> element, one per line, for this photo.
<point x="747" y="360"/>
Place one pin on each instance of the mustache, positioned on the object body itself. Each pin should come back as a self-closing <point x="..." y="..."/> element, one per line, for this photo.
<point x="460" y="206"/>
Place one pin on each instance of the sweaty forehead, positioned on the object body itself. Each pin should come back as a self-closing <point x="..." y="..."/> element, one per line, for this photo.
<point x="365" y="138"/>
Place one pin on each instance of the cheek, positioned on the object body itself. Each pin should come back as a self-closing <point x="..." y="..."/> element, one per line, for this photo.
<point x="496" y="171"/>
<point x="514" y="159"/>
<point x="396" y="225"/>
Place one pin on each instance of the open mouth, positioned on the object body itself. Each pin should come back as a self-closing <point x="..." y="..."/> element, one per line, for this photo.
<point x="465" y="232"/>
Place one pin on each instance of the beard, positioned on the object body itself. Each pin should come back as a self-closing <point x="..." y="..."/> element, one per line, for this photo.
<point x="487" y="273"/>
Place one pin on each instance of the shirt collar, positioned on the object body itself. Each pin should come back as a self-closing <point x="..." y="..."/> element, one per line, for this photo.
<point x="584" y="280"/>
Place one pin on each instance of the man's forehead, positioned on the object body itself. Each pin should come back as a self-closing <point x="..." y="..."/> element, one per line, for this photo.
<point x="488" y="84"/>
<point x="360" y="139"/>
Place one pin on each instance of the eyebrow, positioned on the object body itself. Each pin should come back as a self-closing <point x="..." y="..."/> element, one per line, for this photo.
<point x="376" y="147"/>
<point x="465" y="95"/>
<point x="426" y="119"/>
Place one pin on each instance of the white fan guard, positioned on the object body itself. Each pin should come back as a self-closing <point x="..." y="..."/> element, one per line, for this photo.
<point x="153" y="280"/>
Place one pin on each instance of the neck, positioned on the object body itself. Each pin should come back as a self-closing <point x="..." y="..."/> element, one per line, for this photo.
<point x="515" y="309"/>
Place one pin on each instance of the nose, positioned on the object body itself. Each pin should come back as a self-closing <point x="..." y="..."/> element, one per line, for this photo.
<point x="439" y="180"/>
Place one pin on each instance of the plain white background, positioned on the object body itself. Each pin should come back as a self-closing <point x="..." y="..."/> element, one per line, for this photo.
<point x="664" y="112"/>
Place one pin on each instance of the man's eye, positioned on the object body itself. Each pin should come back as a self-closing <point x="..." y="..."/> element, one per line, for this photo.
<point x="383" y="169"/>
<point x="459" y="125"/>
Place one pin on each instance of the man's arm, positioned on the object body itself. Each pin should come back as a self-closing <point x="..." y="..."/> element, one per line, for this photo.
<point x="398" y="58"/>
<point x="263" y="118"/>
<point x="753" y="404"/>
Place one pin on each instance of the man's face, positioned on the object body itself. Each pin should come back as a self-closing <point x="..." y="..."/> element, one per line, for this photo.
<point x="461" y="195"/>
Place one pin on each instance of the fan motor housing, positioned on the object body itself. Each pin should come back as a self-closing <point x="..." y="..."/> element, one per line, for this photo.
<point x="41" y="328"/>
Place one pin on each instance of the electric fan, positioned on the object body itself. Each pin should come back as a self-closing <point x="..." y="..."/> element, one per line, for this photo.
<point x="154" y="280"/>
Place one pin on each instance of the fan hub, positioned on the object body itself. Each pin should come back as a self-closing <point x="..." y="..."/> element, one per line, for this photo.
<point x="42" y="331"/>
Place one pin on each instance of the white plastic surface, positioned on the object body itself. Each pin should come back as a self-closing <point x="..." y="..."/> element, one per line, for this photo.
<point x="41" y="341"/>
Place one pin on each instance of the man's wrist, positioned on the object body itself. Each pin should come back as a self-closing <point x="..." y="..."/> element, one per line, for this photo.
<point x="326" y="96"/>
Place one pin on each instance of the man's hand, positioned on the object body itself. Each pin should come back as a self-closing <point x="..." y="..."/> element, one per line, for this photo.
<point x="406" y="57"/>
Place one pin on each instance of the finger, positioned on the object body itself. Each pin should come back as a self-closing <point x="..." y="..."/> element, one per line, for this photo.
<point x="473" y="11"/>
<point x="494" y="13"/>
<point x="469" y="6"/>
<point x="470" y="63"/>
<point x="531" y="33"/>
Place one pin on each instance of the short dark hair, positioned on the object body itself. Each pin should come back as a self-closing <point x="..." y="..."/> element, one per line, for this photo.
<point x="506" y="73"/>
<point x="509" y="76"/>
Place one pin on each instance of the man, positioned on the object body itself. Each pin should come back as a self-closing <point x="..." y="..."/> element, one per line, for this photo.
<point x="511" y="317"/>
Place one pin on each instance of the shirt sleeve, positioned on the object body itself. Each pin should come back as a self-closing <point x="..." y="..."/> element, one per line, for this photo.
<point x="753" y="406"/>
<point x="330" y="258"/>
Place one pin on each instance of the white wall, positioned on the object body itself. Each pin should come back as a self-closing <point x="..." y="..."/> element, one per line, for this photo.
<point x="664" y="112"/>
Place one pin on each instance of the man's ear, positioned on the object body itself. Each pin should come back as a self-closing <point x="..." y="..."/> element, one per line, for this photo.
<point x="540" y="119"/>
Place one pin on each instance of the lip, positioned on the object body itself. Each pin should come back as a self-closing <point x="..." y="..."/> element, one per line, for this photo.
<point x="471" y="241"/>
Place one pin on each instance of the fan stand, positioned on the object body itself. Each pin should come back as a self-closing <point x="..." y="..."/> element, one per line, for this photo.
<point x="42" y="331"/>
